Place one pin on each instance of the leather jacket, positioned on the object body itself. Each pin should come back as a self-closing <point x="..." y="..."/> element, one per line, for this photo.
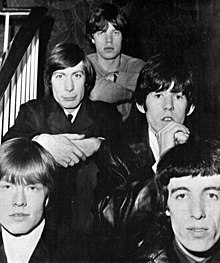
<point x="122" y="208"/>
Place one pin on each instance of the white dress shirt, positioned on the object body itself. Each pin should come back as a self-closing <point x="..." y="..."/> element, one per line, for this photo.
<point x="19" y="249"/>
<point x="73" y="112"/>
<point x="154" y="147"/>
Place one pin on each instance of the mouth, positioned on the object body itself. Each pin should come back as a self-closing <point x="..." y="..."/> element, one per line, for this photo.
<point x="18" y="215"/>
<point x="167" y="119"/>
<point x="198" y="229"/>
<point x="69" y="98"/>
<point x="198" y="232"/>
<point x="108" y="48"/>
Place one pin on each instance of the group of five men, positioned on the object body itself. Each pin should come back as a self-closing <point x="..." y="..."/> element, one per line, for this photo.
<point x="75" y="130"/>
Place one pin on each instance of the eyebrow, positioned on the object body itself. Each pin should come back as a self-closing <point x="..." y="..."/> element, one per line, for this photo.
<point x="211" y="188"/>
<point x="178" y="189"/>
<point x="186" y="189"/>
<point x="60" y="71"/>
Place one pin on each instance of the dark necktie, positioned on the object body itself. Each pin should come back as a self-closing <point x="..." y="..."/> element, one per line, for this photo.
<point x="69" y="117"/>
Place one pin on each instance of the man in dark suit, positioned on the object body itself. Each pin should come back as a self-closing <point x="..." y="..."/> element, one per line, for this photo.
<point x="74" y="144"/>
<point x="164" y="96"/>
<point x="26" y="181"/>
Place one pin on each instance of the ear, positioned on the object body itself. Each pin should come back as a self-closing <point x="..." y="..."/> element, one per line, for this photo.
<point x="190" y="111"/>
<point x="140" y="108"/>
<point x="93" y="41"/>
<point x="167" y="212"/>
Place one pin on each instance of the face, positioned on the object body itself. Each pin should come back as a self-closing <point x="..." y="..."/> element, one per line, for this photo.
<point x="21" y="206"/>
<point x="68" y="86"/>
<point x="164" y="107"/>
<point x="108" y="43"/>
<point x="194" y="210"/>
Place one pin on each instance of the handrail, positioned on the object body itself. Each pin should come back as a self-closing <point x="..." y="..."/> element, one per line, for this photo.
<point x="19" y="46"/>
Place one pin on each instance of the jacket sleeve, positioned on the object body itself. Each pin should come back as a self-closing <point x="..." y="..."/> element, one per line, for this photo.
<point x="26" y="124"/>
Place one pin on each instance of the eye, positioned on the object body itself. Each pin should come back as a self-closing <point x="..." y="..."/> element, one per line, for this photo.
<point x="5" y="186"/>
<point x="78" y="75"/>
<point x="58" y="76"/>
<point x="117" y="33"/>
<point x="179" y="96"/>
<point x="157" y="95"/>
<point x="181" y="196"/>
<point x="32" y="188"/>
<point x="212" y="196"/>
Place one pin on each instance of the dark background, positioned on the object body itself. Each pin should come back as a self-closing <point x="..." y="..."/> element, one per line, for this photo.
<point x="191" y="27"/>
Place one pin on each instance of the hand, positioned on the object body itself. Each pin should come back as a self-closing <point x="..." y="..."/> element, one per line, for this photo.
<point x="110" y="77"/>
<point x="171" y="134"/>
<point x="61" y="147"/>
<point x="89" y="146"/>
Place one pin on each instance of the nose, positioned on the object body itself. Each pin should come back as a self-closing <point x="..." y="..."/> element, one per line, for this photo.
<point x="108" y="37"/>
<point x="198" y="209"/>
<point x="69" y="84"/>
<point x="168" y="103"/>
<point x="19" y="196"/>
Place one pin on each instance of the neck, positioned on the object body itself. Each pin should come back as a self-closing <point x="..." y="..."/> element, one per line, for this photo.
<point x="109" y="65"/>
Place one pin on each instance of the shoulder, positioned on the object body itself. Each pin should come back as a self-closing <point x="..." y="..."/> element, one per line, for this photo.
<point x="131" y="61"/>
<point x="42" y="104"/>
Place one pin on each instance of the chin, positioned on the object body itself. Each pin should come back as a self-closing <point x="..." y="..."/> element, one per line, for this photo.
<point x="198" y="246"/>
<point x="18" y="231"/>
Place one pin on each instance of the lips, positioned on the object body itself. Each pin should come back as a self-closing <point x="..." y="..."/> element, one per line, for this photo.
<point x="19" y="216"/>
<point x="69" y="98"/>
<point x="108" y="48"/>
<point x="167" y="118"/>
<point x="198" y="229"/>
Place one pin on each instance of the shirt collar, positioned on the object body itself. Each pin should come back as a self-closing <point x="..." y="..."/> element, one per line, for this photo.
<point x="20" y="249"/>
<point x="73" y="112"/>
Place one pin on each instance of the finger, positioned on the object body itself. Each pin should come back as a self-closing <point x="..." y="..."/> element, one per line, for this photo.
<point x="74" y="136"/>
<point x="75" y="160"/>
<point x="173" y="128"/>
<point x="63" y="163"/>
<point x="75" y="151"/>
<point x="181" y="137"/>
<point x="72" y="162"/>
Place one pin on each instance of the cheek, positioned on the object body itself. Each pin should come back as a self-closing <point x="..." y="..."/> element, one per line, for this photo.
<point x="80" y="88"/>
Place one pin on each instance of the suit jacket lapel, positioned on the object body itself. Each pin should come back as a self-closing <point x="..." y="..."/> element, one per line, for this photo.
<point x="83" y="122"/>
<point x="58" y="122"/>
<point x="3" y="258"/>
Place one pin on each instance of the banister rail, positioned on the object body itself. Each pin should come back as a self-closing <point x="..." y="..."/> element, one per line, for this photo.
<point x="19" y="46"/>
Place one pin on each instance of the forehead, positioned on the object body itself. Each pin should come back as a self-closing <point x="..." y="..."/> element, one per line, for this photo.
<point x="194" y="184"/>
<point x="71" y="70"/>
<point x="111" y="27"/>
<point x="108" y="26"/>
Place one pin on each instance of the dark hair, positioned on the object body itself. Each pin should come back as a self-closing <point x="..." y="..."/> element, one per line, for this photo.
<point x="199" y="157"/>
<point x="100" y="16"/>
<point x="26" y="162"/>
<point x="158" y="73"/>
<point x="66" y="55"/>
